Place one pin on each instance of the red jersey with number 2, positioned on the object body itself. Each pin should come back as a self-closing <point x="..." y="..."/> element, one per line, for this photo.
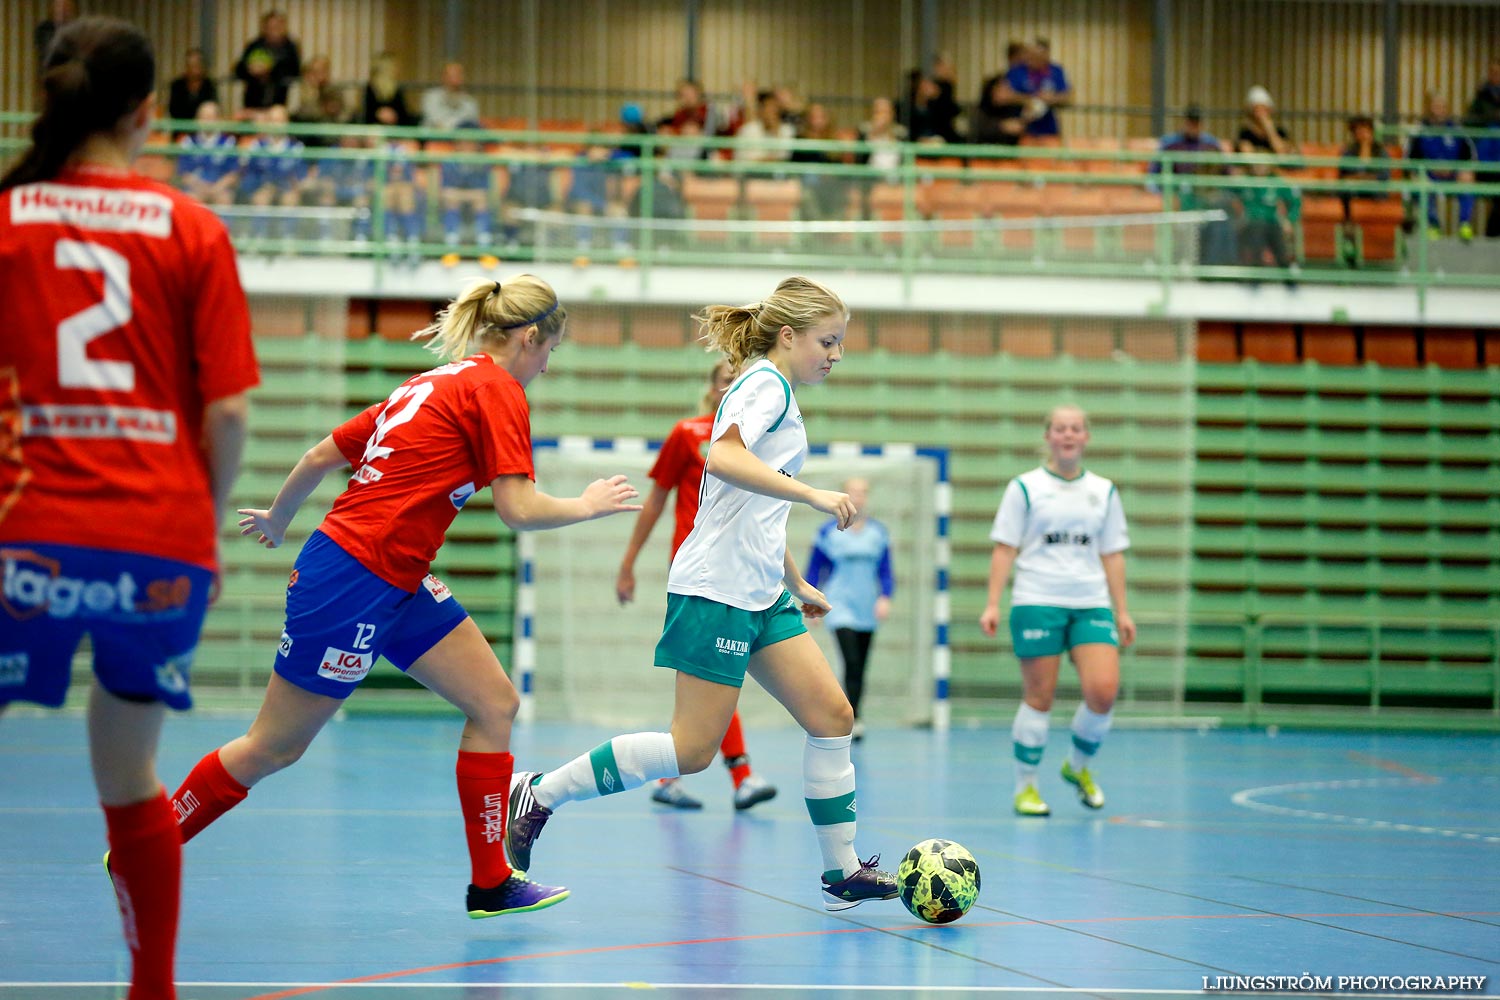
<point x="419" y="456"/>
<point x="124" y="318"/>
<point x="679" y="465"/>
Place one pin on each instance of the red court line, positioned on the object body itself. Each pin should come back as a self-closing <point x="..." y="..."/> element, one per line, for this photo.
<point x="606" y="949"/>
<point x="1391" y="766"/>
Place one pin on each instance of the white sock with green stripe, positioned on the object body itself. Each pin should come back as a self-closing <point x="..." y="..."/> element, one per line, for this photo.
<point x="828" y="785"/>
<point x="1088" y="732"/>
<point x="623" y="763"/>
<point x="1028" y="736"/>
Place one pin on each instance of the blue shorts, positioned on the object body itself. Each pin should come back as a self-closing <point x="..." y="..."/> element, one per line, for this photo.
<point x="340" y="617"/>
<point x="142" y="615"/>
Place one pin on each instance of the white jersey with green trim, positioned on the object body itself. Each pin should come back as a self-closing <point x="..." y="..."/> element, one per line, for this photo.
<point x="736" y="552"/>
<point x="1061" y="528"/>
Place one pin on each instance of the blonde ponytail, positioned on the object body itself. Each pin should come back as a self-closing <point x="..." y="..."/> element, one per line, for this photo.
<point x="744" y="333"/>
<point x="487" y="312"/>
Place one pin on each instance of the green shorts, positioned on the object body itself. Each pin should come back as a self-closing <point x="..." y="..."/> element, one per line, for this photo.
<point x="1039" y="630"/>
<point x="715" y="641"/>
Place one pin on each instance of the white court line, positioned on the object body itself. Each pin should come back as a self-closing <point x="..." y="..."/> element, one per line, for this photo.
<point x="1247" y="798"/>
<point x="822" y="987"/>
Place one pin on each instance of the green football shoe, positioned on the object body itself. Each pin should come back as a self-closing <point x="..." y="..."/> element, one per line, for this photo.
<point x="1029" y="803"/>
<point x="1088" y="792"/>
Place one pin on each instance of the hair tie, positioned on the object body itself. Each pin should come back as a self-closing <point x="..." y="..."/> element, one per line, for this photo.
<point x="497" y="289"/>
<point x="533" y="320"/>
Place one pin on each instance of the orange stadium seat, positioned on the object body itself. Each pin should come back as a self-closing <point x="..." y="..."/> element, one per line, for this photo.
<point x="953" y="200"/>
<point x="1069" y="201"/>
<point x="1380" y="222"/>
<point x="1010" y="201"/>
<point x="713" y="199"/>
<point x="773" y="201"/>
<point x="1096" y="144"/>
<point x="1322" y="217"/>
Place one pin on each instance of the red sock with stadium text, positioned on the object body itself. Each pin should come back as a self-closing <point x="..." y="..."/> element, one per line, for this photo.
<point x="733" y="749"/>
<point x="145" y="863"/>
<point x="207" y="793"/>
<point x="483" y="793"/>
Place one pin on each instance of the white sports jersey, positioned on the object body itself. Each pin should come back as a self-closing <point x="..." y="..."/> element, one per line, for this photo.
<point x="736" y="553"/>
<point x="1061" y="527"/>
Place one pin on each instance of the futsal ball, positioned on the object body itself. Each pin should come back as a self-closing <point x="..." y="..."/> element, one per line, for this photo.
<point x="939" y="881"/>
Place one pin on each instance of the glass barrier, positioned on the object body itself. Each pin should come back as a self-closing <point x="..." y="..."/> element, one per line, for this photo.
<point x="1094" y="207"/>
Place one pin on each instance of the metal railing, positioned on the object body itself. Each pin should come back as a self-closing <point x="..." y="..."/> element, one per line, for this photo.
<point x="909" y="208"/>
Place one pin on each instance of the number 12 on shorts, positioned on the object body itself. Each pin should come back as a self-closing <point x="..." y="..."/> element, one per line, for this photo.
<point x="362" y="635"/>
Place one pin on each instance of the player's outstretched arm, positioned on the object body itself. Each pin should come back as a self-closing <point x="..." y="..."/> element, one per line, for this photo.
<point x="736" y="465"/>
<point x="525" y="508"/>
<point x="656" y="502"/>
<point x="321" y="459"/>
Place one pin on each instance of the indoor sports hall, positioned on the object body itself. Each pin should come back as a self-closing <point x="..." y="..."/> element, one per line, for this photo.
<point x="1253" y="244"/>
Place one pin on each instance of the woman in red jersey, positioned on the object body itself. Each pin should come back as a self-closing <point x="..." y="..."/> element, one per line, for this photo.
<point x="361" y="587"/>
<point x="123" y="371"/>
<point x="679" y="466"/>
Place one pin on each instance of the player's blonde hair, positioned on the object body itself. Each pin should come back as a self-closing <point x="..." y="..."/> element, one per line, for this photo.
<point x="711" y="396"/>
<point x="1059" y="408"/>
<point x="487" y="313"/>
<point x="746" y="332"/>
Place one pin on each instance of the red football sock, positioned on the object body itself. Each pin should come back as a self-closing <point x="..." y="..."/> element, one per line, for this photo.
<point x="733" y="749"/>
<point x="145" y="862"/>
<point x="483" y="794"/>
<point x="207" y="793"/>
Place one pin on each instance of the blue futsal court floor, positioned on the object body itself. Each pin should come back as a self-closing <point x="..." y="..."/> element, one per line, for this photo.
<point x="1220" y="853"/>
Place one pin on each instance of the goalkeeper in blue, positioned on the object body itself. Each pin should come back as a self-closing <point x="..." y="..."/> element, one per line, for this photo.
<point x="736" y="600"/>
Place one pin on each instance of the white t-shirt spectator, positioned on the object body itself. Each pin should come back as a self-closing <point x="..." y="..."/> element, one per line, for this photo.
<point x="444" y="108"/>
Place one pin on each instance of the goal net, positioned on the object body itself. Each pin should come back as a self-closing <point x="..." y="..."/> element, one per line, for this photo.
<point x="580" y="656"/>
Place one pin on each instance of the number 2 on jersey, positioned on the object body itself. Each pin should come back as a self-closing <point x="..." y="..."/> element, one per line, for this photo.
<point x="75" y="370"/>
<point x="415" y="396"/>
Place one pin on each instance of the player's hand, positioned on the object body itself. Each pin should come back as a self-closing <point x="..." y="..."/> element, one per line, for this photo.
<point x="609" y="496"/>
<point x="989" y="620"/>
<point x="625" y="586"/>
<point x="260" y="522"/>
<point x="814" y="604"/>
<point x="1125" y="625"/>
<point x="834" y="503"/>
<point x="882" y="608"/>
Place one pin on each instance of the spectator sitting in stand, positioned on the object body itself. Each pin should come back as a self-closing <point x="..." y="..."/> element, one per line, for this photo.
<point x="1484" y="112"/>
<point x="385" y="99"/>
<point x="449" y="106"/>
<point x="690" y="106"/>
<point x="531" y="186"/>
<point x="467" y="185"/>
<point x="1443" y="145"/>
<point x="928" y="112"/>
<point x="1040" y="86"/>
<point x="595" y="190"/>
<point x="269" y="64"/>
<point x="209" y="166"/>
<point x="1268" y="213"/>
<point x="192" y="89"/>
<point x="633" y="121"/>
<point x="1375" y="167"/>
<point x="757" y="141"/>
<point x="1259" y="131"/>
<point x="1216" y="240"/>
<point x="884" y="134"/>
<point x="319" y="102"/>
<point x="791" y="103"/>
<point x="826" y="194"/>
<point x="997" y="118"/>
<point x="275" y="171"/>
<point x="347" y="182"/>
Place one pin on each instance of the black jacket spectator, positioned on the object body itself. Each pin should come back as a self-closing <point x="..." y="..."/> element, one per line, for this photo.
<point x="191" y="90"/>
<point x="269" y="64"/>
